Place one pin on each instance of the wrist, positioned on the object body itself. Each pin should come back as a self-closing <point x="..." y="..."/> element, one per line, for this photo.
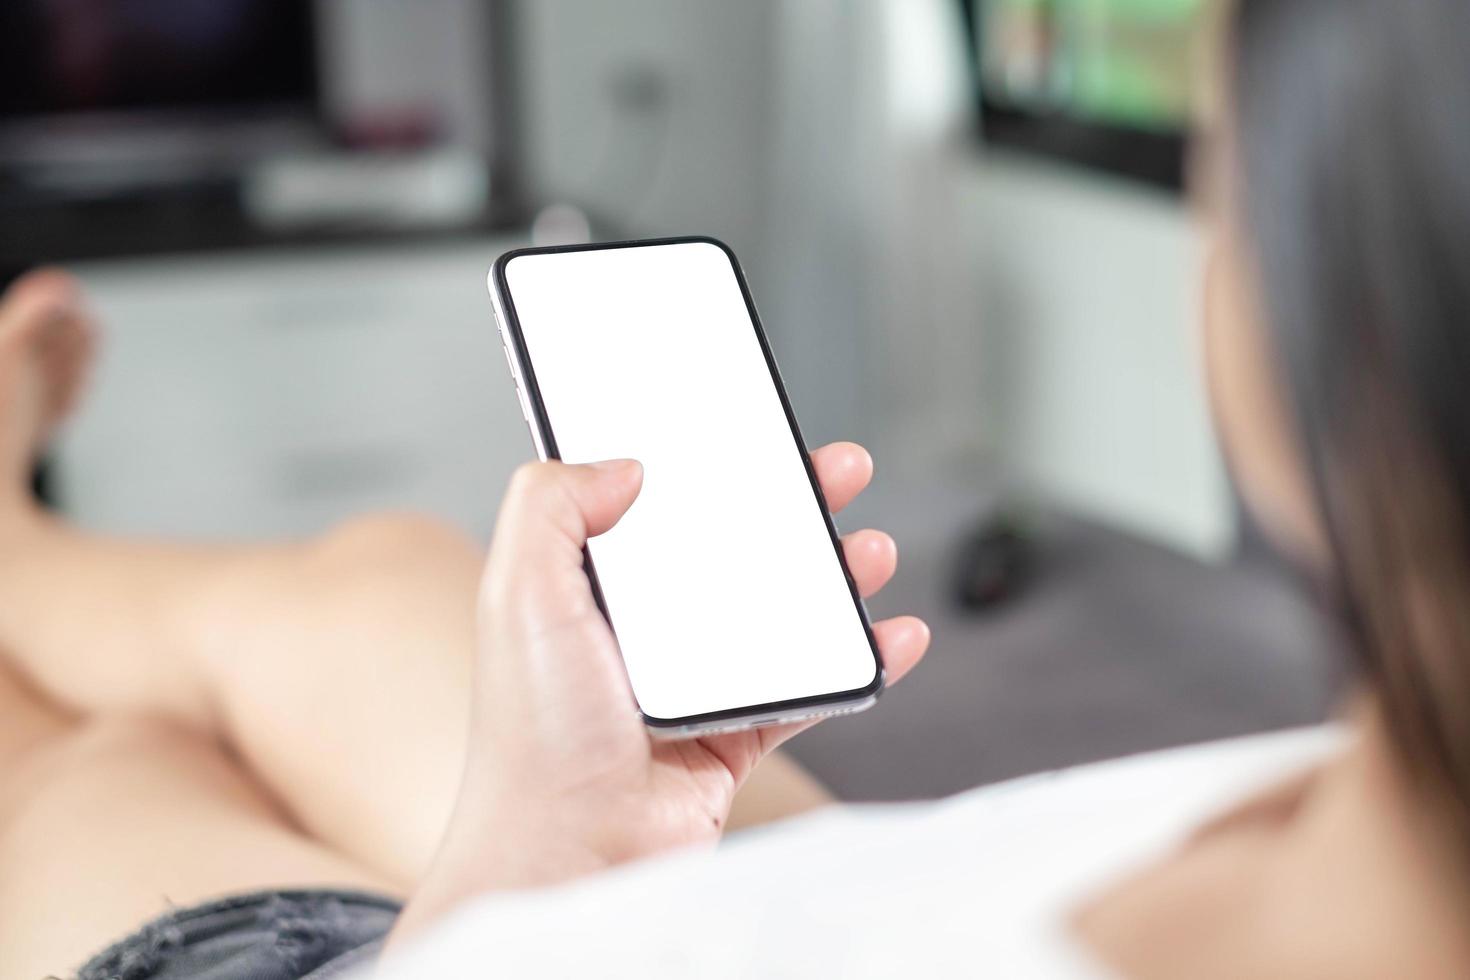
<point x="495" y="856"/>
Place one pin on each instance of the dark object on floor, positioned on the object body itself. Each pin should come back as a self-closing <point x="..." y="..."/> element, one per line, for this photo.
<point x="993" y="565"/>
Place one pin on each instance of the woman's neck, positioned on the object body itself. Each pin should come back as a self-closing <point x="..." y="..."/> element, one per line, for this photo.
<point x="1342" y="873"/>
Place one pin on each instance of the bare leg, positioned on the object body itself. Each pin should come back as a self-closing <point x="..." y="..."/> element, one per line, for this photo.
<point x="106" y="823"/>
<point x="337" y="669"/>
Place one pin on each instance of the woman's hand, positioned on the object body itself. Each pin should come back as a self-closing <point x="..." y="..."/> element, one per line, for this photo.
<point x="562" y="778"/>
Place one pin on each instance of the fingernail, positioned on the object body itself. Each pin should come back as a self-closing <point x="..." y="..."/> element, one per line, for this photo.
<point x="618" y="466"/>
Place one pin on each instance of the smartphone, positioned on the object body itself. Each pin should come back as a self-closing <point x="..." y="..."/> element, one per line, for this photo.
<point x="725" y="583"/>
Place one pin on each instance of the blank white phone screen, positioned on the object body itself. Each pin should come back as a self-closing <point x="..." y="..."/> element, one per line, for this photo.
<point x="722" y="582"/>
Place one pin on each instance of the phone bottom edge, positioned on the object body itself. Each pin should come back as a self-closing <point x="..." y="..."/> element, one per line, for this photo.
<point x="766" y="720"/>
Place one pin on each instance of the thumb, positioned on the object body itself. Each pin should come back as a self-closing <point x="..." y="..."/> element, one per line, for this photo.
<point x="604" y="491"/>
<point x="535" y="574"/>
<point x="552" y="508"/>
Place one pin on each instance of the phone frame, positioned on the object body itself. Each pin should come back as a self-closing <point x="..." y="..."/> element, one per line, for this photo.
<point x="523" y="374"/>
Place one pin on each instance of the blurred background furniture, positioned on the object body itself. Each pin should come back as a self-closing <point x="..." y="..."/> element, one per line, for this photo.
<point x="274" y="392"/>
<point x="166" y="126"/>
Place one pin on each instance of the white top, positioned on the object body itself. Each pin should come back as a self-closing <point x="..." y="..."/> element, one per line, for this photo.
<point x="981" y="883"/>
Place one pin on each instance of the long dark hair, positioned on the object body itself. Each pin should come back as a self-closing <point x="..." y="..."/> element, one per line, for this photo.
<point x="1352" y="134"/>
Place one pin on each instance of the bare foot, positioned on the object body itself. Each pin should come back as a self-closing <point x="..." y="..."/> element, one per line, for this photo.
<point x="46" y="342"/>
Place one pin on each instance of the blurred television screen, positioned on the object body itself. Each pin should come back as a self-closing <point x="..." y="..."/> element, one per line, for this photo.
<point x="1113" y="62"/>
<point x="62" y="57"/>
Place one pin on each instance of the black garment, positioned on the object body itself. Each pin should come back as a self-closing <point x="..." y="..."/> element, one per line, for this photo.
<point x="288" y="935"/>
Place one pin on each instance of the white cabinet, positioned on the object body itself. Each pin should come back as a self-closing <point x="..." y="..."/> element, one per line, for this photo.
<point x="274" y="393"/>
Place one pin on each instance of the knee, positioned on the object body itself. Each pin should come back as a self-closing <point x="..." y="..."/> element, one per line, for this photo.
<point x="414" y="576"/>
<point x="393" y="541"/>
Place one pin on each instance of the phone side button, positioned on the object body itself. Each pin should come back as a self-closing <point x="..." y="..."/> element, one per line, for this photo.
<point x="515" y="379"/>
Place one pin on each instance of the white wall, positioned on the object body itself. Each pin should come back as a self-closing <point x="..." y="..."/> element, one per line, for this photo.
<point x="1089" y="289"/>
<point x="862" y="223"/>
<point x="652" y="114"/>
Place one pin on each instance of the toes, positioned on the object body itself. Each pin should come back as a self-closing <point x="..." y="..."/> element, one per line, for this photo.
<point x="66" y="363"/>
<point x="71" y="365"/>
<point x="47" y="334"/>
<point x="49" y="283"/>
<point x="47" y="309"/>
<point x="36" y="304"/>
